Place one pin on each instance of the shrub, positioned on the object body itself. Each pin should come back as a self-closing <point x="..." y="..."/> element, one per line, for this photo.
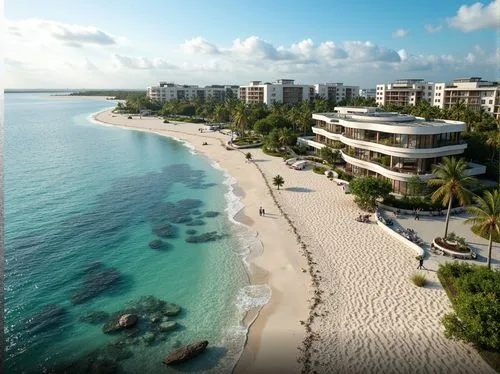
<point x="475" y="294"/>
<point x="319" y="170"/>
<point x="344" y="175"/>
<point x="367" y="189"/>
<point x="418" y="279"/>
<point x="166" y="121"/>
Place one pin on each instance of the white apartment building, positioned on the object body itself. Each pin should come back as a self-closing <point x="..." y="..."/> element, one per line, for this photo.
<point x="473" y="92"/>
<point x="335" y="91"/>
<point x="407" y="92"/>
<point x="388" y="145"/>
<point x="367" y="93"/>
<point x="281" y="91"/>
<point x="164" y="92"/>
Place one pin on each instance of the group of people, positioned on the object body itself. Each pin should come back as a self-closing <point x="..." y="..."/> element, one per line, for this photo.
<point x="262" y="212"/>
<point x="364" y="218"/>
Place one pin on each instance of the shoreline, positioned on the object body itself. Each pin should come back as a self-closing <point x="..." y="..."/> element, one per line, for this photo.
<point x="258" y="352"/>
<point x="359" y="310"/>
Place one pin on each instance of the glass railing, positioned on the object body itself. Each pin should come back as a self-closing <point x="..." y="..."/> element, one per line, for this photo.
<point x="385" y="166"/>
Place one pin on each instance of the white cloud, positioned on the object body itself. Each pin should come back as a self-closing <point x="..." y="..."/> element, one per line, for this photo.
<point x="368" y="52"/>
<point x="68" y="34"/>
<point x="400" y="33"/>
<point x="432" y="29"/>
<point x="477" y="16"/>
<point x="200" y="45"/>
<point x="256" y="48"/>
<point x="141" y="63"/>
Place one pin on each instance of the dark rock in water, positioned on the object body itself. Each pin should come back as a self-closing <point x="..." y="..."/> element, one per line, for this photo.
<point x="165" y="230"/>
<point x="197" y="212"/>
<point x="117" y="352"/>
<point x="94" y="317"/>
<point x="181" y="219"/>
<point x="156" y="244"/>
<point x="127" y="320"/>
<point x="103" y="367"/>
<point x="203" y="238"/>
<point x="80" y="366"/>
<point x="155" y="318"/>
<point x="49" y="317"/>
<point x="185" y="353"/>
<point x="167" y="326"/>
<point x="149" y="337"/>
<point x="196" y="222"/>
<point x="170" y="309"/>
<point x="189" y="204"/>
<point x="191" y="231"/>
<point x="94" y="283"/>
<point x="211" y="214"/>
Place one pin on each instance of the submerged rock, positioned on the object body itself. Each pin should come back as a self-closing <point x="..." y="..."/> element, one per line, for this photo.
<point x="170" y="309"/>
<point x="196" y="222"/>
<point x="103" y="367"/>
<point x="165" y="230"/>
<point x="203" y="238"/>
<point x="211" y="214"/>
<point x="156" y="244"/>
<point x="167" y="326"/>
<point x="117" y="352"/>
<point x="49" y="317"/>
<point x="191" y="231"/>
<point x="94" y="317"/>
<point x="96" y="281"/>
<point x="185" y="353"/>
<point x="149" y="337"/>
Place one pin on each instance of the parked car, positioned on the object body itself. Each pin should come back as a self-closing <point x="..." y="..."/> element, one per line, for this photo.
<point x="300" y="165"/>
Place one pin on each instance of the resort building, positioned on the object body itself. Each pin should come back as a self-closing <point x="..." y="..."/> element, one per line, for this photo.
<point x="474" y="93"/>
<point x="471" y="92"/>
<point x="335" y="91"/>
<point x="407" y="92"/>
<point x="388" y="145"/>
<point x="367" y="93"/>
<point x="281" y="91"/>
<point x="164" y="92"/>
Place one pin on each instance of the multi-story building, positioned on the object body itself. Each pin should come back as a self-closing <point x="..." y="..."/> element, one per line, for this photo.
<point x="335" y="91"/>
<point x="281" y="91"/>
<point x="389" y="145"/>
<point x="368" y="93"/>
<point x="164" y="92"/>
<point x="474" y="93"/>
<point x="406" y="92"/>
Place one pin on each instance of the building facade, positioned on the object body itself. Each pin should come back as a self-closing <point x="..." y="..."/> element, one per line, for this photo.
<point x="335" y="91"/>
<point x="368" y="93"/>
<point x="164" y="92"/>
<point x="281" y="91"/>
<point x="387" y="145"/>
<point x="471" y="92"/>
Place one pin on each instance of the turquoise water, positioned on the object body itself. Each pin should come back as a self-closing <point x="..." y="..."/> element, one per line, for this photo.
<point x="78" y="193"/>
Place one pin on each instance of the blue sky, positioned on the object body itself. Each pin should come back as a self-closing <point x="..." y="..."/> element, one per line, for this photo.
<point x="132" y="44"/>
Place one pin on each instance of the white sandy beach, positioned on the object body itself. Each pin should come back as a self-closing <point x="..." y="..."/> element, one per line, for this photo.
<point x="371" y="318"/>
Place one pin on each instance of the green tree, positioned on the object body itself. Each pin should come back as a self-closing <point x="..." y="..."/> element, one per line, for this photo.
<point x="452" y="182"/>
<point x="240" y="117"/>
<point x="486" y="216"/>
<point x="278" y="181"/>
<point x="286" y="137"/>
<point x="263" y="126"/>
<point x="368" y="189"/>
<point x="305" y="117"/>
<point x="416" y="186"/>
<point x="329" y="155"/>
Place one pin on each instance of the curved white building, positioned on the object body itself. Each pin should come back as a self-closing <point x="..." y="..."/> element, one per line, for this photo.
<point x="389" y="145"/>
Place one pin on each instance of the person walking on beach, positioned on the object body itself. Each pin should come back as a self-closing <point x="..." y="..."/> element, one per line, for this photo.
<point x="263" y="212"/>
<point x="421" y="263"/>
<point x="260" y="211"/>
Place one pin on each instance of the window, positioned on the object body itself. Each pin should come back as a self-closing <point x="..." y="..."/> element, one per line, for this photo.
<point x="483" y="101"/>
<point x="491" y="101"/>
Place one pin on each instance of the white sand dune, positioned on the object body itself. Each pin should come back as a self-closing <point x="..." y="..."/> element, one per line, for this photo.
<point x="371" y="317"/>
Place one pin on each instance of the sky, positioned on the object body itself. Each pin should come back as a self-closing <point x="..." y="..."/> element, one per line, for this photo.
<point x="135" y="44"/>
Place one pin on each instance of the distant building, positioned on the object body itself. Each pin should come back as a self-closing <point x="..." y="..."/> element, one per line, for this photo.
<point x="406" y="92"/>
<point x="281" y="91"/>
<point x="367" y="93"/>
<point x="387" y="145"/>
<point x="164" y="92"/>
<point x="335" y="92"/>
<point x="472" y="92"/>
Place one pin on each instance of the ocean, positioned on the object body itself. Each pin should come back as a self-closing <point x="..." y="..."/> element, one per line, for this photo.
<point x="83" y="206"/>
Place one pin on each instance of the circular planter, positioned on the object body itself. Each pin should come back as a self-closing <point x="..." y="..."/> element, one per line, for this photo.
<point x="455" y="254"/>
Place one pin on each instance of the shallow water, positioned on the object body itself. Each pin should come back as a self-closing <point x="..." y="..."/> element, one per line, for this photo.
<point x="77" y="193"/>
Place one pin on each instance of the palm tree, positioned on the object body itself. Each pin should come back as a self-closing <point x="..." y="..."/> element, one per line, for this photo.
<point x="486" y="216"/>
<point x="278" y="181"/>
<point x="305" y="118"/>
<point x="285" y="136"/>
<point x="240" y="117"/>
<point x="248" y="156"/>
<point x="452" y="182"/>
